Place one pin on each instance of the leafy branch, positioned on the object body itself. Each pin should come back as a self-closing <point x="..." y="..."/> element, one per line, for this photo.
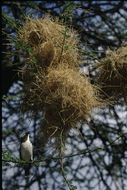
<point x="7" y="156"/>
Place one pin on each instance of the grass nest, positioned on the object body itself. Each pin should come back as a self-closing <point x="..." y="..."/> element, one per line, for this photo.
<point x="64" y="95"/>
<point x="51" y="42"/>
<point x="53" y="84"/>
<point x="113" y="72"/>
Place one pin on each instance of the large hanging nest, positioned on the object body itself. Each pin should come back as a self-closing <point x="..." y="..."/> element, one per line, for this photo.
<point x="113" y="72"/>
<point x="66" y="96"/>
<point x="51" y="42"/>
<point x="53" y="85"/>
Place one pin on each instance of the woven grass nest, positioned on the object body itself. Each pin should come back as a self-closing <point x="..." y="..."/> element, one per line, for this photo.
<point x="49" y="40"/>
<point x="56" y="88"/>
<point x="113" y="72"/>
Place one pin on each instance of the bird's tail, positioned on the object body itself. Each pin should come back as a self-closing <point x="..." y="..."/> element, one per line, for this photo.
<point x="27" y="170"/>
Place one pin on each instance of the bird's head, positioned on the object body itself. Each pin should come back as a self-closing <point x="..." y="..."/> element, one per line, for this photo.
<point x="24" y="137"/>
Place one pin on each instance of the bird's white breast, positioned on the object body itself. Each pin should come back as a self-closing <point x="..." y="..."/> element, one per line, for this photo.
<point x="27" y="150"/>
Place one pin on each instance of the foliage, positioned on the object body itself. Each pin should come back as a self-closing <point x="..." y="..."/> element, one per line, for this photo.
<point x="100" y="25"/>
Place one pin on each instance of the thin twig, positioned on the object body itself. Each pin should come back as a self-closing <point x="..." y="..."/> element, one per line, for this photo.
<point x="66" y="156"/>
<point x="62" y="161"/>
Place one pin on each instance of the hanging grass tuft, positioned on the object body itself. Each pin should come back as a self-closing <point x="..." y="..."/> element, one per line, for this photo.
<point x="52" y="83"/>
<point x="113" y="72"/>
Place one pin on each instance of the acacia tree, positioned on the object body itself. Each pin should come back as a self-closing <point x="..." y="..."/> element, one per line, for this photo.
<point x="96" y="155"/>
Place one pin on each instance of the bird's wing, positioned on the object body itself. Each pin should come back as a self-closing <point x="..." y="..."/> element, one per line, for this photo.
<point x="20" y="152"/>
<point x="31" y="152"/>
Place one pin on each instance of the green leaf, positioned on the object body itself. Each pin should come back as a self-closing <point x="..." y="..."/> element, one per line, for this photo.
<point x="5" y="98"/>
<point x="32" y="74"/>
<point x="73" y="187"/>
<point x="66" y="47"/>
<point x="6" y="155"/>
<point x="36" y="163"/>
<point x="7" y="132"/>
<point x="5" y="164"/>
<point x="67" y="36"/>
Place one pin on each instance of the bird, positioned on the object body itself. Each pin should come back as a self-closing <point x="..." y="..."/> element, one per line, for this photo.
<point x="26" y="152"/>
